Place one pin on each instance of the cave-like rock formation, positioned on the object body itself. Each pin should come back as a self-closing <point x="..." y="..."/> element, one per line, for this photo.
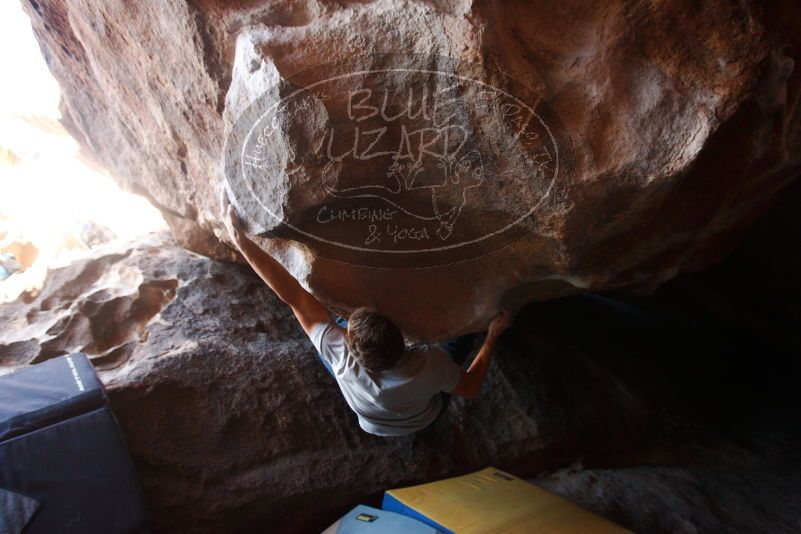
<point x="593" y="145"/>
<point x="231" y="419"/>
<point x="234" y="425"/>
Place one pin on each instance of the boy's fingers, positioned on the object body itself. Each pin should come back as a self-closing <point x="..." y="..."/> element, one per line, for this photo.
<point x="224" y="202"/>
<point x="233" y="216"/>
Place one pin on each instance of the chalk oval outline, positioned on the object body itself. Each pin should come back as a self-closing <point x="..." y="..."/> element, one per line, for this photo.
<point x="383" y="251"/>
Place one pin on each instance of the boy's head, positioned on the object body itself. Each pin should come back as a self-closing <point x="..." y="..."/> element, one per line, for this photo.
<point x="375" y="341"/>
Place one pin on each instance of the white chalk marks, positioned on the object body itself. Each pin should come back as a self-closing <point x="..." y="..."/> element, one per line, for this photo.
<point x="394" y="165"/>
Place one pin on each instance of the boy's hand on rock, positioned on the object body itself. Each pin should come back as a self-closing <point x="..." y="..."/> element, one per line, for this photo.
<point x="230" y="217"/>
<point x="499" y="324"/>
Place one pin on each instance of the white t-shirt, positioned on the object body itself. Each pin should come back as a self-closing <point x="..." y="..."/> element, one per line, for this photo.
<point x="398" y="401"/>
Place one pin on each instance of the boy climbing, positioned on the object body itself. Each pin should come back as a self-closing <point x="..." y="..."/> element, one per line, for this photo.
<point x="393" y="389"/>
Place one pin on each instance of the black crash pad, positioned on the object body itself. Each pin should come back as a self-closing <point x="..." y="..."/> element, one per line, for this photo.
<point x="63" y="462"/>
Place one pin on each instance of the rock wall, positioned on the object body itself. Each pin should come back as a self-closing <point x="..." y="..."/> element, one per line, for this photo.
<point x="675" y="124"/>
<point x="232" y="421"/>
<point x="743" y="501"/>
<point x="234" y="425"/>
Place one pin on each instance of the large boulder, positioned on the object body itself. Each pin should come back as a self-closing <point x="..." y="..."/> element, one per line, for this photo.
<point x="233" y="422"/>
<point x="234" y="425"/>
<point x="680" y="499"/>
<point x="594" y="145"/>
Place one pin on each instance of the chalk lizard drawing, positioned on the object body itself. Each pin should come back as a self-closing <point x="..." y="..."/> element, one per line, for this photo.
<point x="446" y="181"/>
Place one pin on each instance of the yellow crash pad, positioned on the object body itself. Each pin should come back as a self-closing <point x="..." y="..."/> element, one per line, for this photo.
<point x="491" y="500"/>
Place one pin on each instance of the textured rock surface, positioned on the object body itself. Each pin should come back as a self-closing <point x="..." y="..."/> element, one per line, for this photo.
<point x="679" y="123"/>
<point x="697" y="499"/>
<point x="233" y="424"/>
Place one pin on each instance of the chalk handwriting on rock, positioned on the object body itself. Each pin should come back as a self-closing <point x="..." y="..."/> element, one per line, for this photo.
<point x="399" y="160"/>
<point x="327" y="214"/>
<point x="428" y="167"/>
